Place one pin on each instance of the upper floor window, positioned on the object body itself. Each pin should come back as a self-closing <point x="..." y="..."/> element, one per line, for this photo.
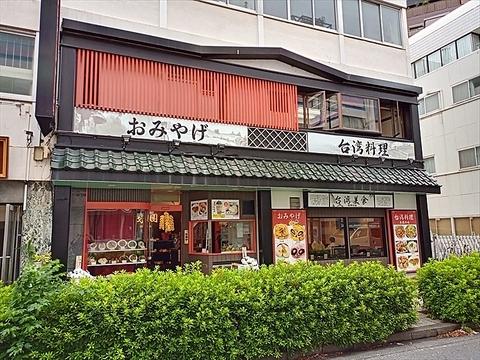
<point x="3" y="157"/>
<point x="16" y="63"/>
<point x="429" y="164"/>
<point x="372" y="21"/>
<point x="312" y="12"/>
<point x="445" y="55"/>
<point x="466" y="89"/>
<point x="332" y="111"/>
<point x="247" y="4"/>
<point x="469" y="157"/>
<point x="429" y="103"/>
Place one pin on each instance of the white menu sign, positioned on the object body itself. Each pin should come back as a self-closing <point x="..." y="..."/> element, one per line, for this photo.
<point x="158" y="128"/>
<point x="350" y="200"/>
<point x="361" y="147"/>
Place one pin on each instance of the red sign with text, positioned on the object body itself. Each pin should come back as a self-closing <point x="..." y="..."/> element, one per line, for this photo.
<point x="406" y="240"/>
<point x="289" y="235"/>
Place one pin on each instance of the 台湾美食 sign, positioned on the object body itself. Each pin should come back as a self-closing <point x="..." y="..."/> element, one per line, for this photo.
<point x="350" y="200"/>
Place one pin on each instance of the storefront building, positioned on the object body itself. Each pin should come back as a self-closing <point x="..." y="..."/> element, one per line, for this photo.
<point x="169" y="152"/>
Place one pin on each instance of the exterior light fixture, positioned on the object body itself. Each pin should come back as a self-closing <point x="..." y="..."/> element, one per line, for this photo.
<point x="219" y="149"/>
<point x="125" y="141"/>
<point x="173" y="145"/>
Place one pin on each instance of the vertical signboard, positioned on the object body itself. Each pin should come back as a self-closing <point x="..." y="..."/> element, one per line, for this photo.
<point x="289" y="235"/>
<point x="406" y="241"/>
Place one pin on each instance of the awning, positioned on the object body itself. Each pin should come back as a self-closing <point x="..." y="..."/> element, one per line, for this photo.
<point x="104" y="165"/>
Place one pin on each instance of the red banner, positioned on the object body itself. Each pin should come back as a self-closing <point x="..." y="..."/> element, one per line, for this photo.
<point x="406" y="240"/>
<point x="289" y="235"/>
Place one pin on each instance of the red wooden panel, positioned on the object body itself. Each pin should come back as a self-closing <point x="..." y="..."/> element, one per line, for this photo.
<point x="119" y="83"/>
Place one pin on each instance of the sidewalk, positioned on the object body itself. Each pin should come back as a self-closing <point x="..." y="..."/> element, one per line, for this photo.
<point x="424" y="328"/>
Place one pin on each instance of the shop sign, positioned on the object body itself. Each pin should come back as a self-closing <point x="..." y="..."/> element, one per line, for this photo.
<point x="350" y="200"/>
<point x="361" y="147"/>
<point x="289" y="235"/>
<point x="225" y="209"/>
<point x="111" y="123"/>
<point x="199" y="210"/>
<point x="405" y="234"/>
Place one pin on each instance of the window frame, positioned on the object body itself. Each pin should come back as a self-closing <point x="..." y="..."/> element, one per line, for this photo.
<point x="192" y="223"/>
<point x="430" y="158"/>
<point x="476" y="152"/>
<point x="33" y="36"/>
<point x="437" y="93"/>
<point x="470" y="95"/>
<point x="341" y="126"/>
<point x="4" y="144"/>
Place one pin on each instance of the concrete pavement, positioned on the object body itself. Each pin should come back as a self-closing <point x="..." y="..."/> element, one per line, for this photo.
<point x="460" y="348"/>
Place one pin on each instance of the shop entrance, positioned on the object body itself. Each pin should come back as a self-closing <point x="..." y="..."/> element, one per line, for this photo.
<point x="164" y="239"/>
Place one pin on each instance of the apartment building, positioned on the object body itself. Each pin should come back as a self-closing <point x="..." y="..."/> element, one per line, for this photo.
<point x="446" y="64"/>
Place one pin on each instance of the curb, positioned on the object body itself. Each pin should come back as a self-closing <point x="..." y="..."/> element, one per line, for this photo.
<point x="421" y="332"/>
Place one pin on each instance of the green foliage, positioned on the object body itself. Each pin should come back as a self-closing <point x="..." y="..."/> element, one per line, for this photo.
<point x="22" y="308"/>
<point x="450" y="289"/>
<point x="230" y="314"/>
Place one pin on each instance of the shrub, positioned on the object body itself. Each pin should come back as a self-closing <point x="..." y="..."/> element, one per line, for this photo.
<point x="450" y="289"/>
<point x="230" y="314"/>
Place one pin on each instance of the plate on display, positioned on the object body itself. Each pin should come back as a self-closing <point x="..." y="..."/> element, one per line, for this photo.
<point x="142" y="258"/>
<point x="92" y="246"/>
<point x="141" y="244"/>
<point x="133" y="258"/>
<point x="132" y="244"/>
<point x="111" y="245"/>
<point x="103" y="261"/>
<point x="122" y="244"/>
<point x="102" y="246"/>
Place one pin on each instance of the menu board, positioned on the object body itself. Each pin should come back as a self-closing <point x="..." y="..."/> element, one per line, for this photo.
<point x="199" y="210"/>
<point x="225" y="209"/>
<point x="289" y="235"/>
<point x="405" y="234"/>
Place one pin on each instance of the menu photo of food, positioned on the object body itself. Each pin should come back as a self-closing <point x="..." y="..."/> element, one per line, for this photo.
<point x="199" y="210"/>
<point x="225" y="209"/>
<point x="406" y="240"/>
<point x="289" y="233"/>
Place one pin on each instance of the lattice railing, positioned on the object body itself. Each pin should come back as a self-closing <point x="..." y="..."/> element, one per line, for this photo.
<point x="445" y="245"/>
<point x="277" y="139"/>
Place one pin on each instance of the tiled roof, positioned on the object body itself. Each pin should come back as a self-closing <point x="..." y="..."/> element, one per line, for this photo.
<point x="122" y="161"/>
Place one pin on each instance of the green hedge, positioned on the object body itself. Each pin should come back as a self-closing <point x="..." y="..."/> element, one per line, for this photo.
<point x="230" y="314"/>
<point x="450" y="289"/>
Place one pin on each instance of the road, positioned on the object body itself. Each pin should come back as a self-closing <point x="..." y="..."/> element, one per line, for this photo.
<point x="460" y="348"/>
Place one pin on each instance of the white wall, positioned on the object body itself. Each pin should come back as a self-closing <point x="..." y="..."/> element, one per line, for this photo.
<point x="17" y="113"/>
<point x="213" y="23"/>
<point x="444" y="132"/>
<point x="281" y="198"/>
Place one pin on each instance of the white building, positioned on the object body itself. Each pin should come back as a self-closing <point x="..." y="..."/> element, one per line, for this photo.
<point x="446" y="61"/>
<point x="25" y="196"/>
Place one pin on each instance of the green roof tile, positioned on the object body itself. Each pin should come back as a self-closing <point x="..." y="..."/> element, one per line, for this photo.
<point x="121" y="161"/>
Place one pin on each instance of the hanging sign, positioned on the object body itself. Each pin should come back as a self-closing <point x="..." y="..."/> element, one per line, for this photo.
<point x="225" y="209"/>
<point x="405" y="234"/>
<point x="289" y="235"/>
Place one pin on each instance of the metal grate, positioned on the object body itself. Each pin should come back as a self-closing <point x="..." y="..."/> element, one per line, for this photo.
<point x="119" y="195"/>
<point x="277" y="139"/>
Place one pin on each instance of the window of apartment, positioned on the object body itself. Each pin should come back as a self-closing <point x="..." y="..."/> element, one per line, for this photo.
<point x="433" y="226"/>
<point x="392" y="116"/>
<point x="301" y="11"/>
<point x="420" y="67"/>
<point x="3" y="157"/>
<point x="16" y="63"/>
<point x="372" y="21"/>
<point x="313" y="12"/>
<point x="444" y="227"/>
<point x="325" y="13"/>
<point x="429" y="103"/>
<point x="434" y="61"/>
<point x="466" y="89"/>
<point x="476" y="226"/>
<point x="429" y="164"/>
<point x="469" y="157"/>
<point x="276" y="8"/>
<point x="311" y="110"/>
<point x="448" y="53"/>
<point x="467" y="44"/>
